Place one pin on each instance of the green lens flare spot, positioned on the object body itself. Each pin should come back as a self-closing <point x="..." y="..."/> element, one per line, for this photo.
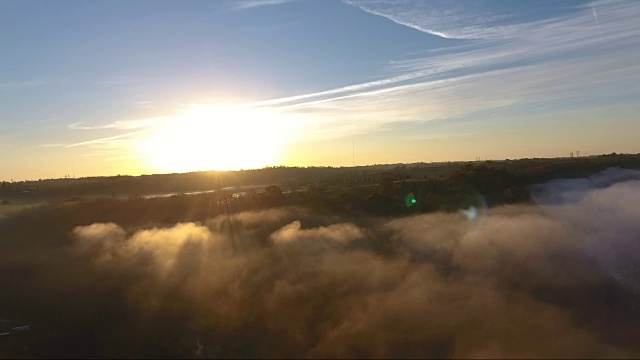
<point x="410" y="200"/>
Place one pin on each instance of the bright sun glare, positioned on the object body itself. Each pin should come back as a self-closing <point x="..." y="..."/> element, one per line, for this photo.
<point x="217" y="138"/>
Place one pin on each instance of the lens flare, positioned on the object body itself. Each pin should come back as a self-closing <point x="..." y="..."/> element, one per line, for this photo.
<point x="477" y="210"/>
<point x="410" y="200"/>
<point x="471" y="213"/>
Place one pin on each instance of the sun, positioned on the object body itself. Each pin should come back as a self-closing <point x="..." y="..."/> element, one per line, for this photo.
<point x="217" y="138"/>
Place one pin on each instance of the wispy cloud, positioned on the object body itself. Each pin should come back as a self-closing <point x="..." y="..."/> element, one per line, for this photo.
<point x="449" y="20"/>
<point x="567" y="57"/>
<point x="117" y="125"/>
<point x="119" y="80"/>
<point x="145" y="104"/>
<point x="106" y="140"/>
<point x="53" y="145"/>
<point x="12" y="85"/>
<point x="249" y="4"/>
<point x="502" y="64"/>
<point x="595" y="17"/>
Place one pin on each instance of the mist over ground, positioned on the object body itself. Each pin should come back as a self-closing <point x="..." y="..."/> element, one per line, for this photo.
<point x="555" y="278"/>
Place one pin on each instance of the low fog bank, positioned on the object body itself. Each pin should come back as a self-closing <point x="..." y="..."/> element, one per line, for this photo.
<point x="561" y="191"/>
<point x="555" y="279"/>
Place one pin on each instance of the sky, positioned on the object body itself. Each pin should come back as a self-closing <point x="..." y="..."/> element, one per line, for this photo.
<point x="92" y="88"/>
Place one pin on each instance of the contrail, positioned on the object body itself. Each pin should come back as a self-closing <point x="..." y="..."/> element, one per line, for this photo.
<point x="595" y="16"/>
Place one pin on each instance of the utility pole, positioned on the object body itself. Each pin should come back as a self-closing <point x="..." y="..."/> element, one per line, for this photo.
<point x="353" y="151"/>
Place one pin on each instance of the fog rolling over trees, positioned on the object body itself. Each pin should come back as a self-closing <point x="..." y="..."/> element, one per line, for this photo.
<point x="555" y="278"/>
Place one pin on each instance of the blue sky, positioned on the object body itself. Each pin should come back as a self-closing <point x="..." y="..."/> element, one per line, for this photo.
<point x="84" y="85"/>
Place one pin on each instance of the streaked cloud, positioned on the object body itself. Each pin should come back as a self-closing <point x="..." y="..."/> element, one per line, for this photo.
<point x="106" y="140"/>
<point x="249" y="4"/>
<point x="119" y="125"/>
<point x="119" y="80"/>
<point x="493" y="61"/>
<point x="449" y="20"/>
<point x="12" y="85"/>
<point x="567" y="57"/>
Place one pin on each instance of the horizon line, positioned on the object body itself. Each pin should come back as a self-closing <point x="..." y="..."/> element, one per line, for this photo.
<point x="478" y="160"/>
